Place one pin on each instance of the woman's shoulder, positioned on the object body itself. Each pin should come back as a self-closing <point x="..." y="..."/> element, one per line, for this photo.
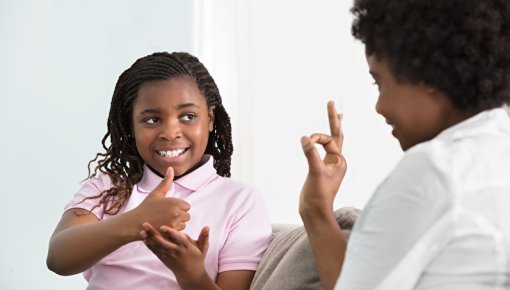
<point x="426" y="171"/>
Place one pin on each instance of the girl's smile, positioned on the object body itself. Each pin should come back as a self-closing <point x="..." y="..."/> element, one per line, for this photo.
<point x="171" y="124"/>
<point x="172" y="153"/>
<point x="172" y="156"/>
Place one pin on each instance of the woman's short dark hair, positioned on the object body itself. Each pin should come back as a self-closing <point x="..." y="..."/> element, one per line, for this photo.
<point x="461" y="47"/>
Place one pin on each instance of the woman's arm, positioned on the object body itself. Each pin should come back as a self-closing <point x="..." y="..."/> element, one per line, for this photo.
<point x="80" y="240"/>
<point x="404" y="225"/>
<point x="317" y="196"/>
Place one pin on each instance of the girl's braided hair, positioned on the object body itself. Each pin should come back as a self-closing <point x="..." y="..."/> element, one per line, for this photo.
<point x="121" y="161"/>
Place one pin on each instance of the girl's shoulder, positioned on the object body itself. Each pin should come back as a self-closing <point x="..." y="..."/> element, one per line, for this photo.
<point x="101" y="181"/>
<point x="234" y="190"/>
<point x="235" y="185"/>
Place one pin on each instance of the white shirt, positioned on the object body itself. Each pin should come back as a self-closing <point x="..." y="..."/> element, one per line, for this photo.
<point x="441" y="219"/>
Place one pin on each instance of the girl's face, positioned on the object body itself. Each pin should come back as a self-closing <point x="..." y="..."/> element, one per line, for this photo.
<point x="171" y="124"/>
<point x="416" y="112"/>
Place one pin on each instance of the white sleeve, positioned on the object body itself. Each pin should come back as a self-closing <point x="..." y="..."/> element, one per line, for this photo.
<point x="402" y="227"/>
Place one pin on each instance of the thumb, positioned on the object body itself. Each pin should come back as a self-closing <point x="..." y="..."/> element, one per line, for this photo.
<point x="311" y="154"/>
<point x="165" y="184"/>
<point x="203" y="240"/>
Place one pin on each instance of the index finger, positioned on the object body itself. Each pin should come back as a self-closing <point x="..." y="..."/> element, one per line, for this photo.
<point x="335" y="125"/>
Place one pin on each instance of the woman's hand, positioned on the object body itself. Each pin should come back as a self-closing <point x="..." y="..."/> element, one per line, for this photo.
<point x="324" y="176"/>
<point x="158" y="210"/>
<point x="181" y="254"/>
<point x="317" y="196"/>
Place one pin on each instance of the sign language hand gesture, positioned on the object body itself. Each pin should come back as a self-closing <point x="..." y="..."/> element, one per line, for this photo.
<point x="181" y="254"/>
<point x="158" y="210"/>
<point x="324" y="175"/>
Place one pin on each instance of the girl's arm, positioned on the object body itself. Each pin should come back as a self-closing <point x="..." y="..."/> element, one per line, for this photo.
<point x="317" y="196"/>
<point x="230" y="280"/>
<point x="80" y="239"/>
<point x="185" y="257"/>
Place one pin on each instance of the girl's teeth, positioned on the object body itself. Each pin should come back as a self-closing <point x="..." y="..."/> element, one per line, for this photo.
<point x="171" y="153"/>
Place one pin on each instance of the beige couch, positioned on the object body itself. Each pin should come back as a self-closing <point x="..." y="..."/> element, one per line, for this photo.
<point x="288" y="261"/>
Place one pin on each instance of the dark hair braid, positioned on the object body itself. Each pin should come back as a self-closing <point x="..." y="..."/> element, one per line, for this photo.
<point x="220" y="139"/>
<point x="121" y="160"/>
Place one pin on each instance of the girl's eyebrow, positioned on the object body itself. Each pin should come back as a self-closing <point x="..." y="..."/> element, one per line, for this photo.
<point x="179" y="107"/>
<point x="149" y="111"/>
<point x="187" y="105"/>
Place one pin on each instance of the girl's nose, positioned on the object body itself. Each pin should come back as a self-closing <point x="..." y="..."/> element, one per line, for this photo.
<point x="170" y="131"/>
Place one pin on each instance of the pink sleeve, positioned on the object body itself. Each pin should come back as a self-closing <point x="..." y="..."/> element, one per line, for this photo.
<point x="249" y="235"/>
<point x="90" y="188"/>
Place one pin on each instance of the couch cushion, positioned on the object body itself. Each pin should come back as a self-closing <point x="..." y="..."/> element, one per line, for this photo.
<point x="288" y="261"/>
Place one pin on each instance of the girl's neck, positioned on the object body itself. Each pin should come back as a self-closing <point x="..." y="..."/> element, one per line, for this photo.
<point x="155" y="171"/>
<point x="179" y="176"/>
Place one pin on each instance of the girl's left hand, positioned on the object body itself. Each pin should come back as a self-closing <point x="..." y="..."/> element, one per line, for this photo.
<point x="181" y="254"/>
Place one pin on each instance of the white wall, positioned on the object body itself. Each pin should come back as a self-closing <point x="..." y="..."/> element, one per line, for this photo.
<point x="276" y="64"/>
<point x="59" y="61"/>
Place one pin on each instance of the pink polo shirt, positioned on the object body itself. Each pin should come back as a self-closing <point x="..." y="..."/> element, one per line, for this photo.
<point x="240" y="230"/>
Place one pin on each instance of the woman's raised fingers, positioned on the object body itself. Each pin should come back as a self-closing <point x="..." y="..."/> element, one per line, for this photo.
<point x="328" y="142"/>
<point x="335" y="125"/>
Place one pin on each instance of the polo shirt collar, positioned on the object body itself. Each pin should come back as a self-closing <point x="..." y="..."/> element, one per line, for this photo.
<point x="192" y="181"/>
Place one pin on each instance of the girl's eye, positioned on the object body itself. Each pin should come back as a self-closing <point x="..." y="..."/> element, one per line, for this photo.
<point x="188" y="117"/>
<point x="151" y="120"/>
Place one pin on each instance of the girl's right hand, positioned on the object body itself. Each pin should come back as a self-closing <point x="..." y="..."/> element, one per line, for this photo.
<point x="159" y="210"/>
<point x="79" y="229"/>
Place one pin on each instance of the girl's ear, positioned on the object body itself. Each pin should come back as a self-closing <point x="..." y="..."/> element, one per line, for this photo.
<point x="211" y="118"/>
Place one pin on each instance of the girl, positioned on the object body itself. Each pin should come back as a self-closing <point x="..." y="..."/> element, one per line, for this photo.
<point x="165" y="168"/>
<point x="440" y="220"/>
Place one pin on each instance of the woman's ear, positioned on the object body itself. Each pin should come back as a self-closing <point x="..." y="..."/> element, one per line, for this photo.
<point x="436" y="93"/>
<point x="432" y="90"/>
<point x="429" y="89"/>
<point x="211" y="118"/>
